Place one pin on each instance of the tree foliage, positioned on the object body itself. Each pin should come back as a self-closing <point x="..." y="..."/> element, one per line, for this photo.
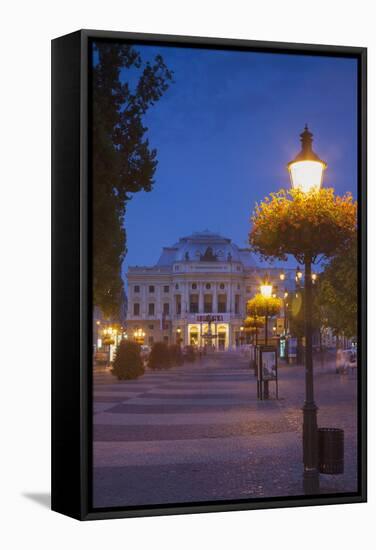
<point x="306" y="225"/>
<point x="337" y="292"/>
<point x="159" y="356"/>
<point x="128" y="363"/>
<point x="264" y="306"/>
<point x="123" y="163"/>
<point x="253" y="322"/>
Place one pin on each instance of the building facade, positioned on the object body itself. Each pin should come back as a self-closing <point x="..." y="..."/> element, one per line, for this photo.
<point x="199" y="285"/>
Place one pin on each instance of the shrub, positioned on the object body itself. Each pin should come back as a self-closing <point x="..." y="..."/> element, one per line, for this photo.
<point x="128" y="363"/>
<point x="176" y="355"/>
<point x="190" y="354"/>
<point x="159" y="356"/>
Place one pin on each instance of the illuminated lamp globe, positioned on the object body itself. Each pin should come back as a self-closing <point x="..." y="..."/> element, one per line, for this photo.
<point x="266" y="290"/>
<point x="307" y="169"/>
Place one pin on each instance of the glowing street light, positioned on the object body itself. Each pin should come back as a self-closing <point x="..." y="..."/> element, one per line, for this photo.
<point x="306" y="173"/>
<point x="266" y="290"/>
<point x="307" y="169"/>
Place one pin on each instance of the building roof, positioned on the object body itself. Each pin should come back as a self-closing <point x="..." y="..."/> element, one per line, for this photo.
<point x="207" y="247"/>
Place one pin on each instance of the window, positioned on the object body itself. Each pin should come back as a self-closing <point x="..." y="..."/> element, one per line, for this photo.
<point x="193" y="303"/>
<point x="151" y="288"/>
<point x="176" y="286"/>
<point x="136" y="288"/>
<point x="136" y="309"/>
<point x="166" y="289"/>
<point x="166" y="309"/>
<point x="151" y="309"/>
<point x="222" y="286"/>
<point x="208" y="303"/>
<point x="207" y="286"/>
<point x="178" y="304"/>
<point x="151" y="327"/>
<point x="237" y="303"/>
<point x="222" y="301"/>
<point x="194" y="286"/>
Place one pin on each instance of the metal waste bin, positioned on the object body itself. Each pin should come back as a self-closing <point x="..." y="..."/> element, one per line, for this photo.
<point x="331" y="451"/>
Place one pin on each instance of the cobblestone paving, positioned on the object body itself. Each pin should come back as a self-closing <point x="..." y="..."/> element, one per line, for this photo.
<point x="198" y="433"/>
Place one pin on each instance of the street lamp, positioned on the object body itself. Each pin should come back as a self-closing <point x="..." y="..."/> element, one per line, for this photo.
<point x="266" y="290"/>
<point x="307" y="169"/>
<point x="306" y="172"/>
<point x="298" y="275"/>
<point x="241" y="335"/>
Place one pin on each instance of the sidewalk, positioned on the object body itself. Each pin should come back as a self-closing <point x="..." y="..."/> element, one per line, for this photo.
<point x="198" y="433"/>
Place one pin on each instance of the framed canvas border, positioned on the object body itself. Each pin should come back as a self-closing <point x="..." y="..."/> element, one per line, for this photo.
<point x="72" y="430"/>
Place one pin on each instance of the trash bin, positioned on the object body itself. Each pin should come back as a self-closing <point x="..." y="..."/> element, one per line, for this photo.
<point x="331" y="451"/>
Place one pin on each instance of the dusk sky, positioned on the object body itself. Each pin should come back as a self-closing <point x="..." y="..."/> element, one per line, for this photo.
<point x="224" y="132"/>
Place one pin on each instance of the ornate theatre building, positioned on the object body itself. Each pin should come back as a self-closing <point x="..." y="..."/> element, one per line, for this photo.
<point x="202" y="281"/>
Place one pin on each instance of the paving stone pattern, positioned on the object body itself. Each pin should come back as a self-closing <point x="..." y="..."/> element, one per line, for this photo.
<point x="197" y="433"/>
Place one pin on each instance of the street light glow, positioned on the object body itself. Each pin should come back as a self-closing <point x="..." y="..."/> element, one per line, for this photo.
<point x="266" y="290"/>
<point x="307" y="169"/>
<point x="306" y="175"/>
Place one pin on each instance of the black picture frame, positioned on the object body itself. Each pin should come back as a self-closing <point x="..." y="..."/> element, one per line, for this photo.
<point x="71" y="275"/>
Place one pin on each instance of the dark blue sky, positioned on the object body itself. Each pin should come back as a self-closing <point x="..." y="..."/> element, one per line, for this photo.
<point x="224" y="132"/>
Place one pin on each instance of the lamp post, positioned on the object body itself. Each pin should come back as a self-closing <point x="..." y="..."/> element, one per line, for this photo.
<point x="178" y="336"/>
<point x="282" y="277"/>
<point x="266" y="290"/>
<point x="306" y="173"/>
<point x="241" y="335"/>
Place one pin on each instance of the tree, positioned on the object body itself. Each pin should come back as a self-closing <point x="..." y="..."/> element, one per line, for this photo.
<point x="122" y="161"/>
<point x="128" y="363"/>
<point x="264" y="306"/>
<point x="252" y="324"/>
<point x="337" y="291"/>
<point x="159" y="356"/>
<point x="310" y="226"/>
<point x="261" y="305"/>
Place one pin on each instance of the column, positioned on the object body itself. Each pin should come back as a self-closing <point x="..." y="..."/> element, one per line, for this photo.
<point x="215" y="298"/>
<point x="201" y="299"/>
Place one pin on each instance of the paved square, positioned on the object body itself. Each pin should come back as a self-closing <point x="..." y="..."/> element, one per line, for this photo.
<point x="198" y="433"/>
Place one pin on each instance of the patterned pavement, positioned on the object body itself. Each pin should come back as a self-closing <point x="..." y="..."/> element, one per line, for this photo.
<point x="198" y="433"/>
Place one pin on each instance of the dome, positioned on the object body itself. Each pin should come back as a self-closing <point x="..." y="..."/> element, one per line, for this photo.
<point x="205" y="246"/>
